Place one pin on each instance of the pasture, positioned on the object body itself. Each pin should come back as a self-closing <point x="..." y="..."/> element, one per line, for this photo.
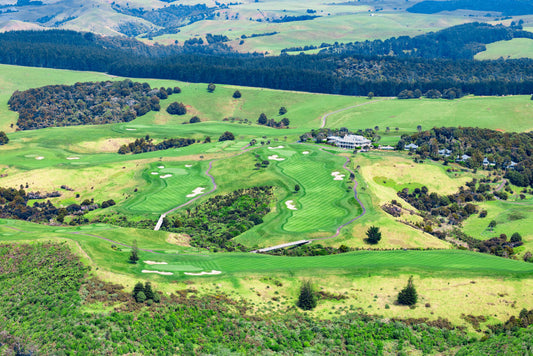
<point x="512" y="49"/>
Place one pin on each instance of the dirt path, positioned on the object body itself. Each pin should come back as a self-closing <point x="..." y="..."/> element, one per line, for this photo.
<point x="324" y="118"/>
<point x="500" y="187"/>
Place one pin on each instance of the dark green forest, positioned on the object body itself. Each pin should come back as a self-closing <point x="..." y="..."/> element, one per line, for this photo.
<point x="349" y="74"/>
<point x="84" y="104"/>
<point x="45" y="290"/>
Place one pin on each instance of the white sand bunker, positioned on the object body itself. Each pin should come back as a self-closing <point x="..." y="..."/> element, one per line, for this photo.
<point x="166" y="176"/>
<point x="290" y="205"/>
<point x="337" y="176"/>
<point x="39" y="158"/>
<point x="155" y="263"/>
<point x="273" y="148"/>
<point x="161" y="167"/>
<point x="305" y="152"/>
<point x="71" y="158"/>
<point x="131" y="129"/>
<point x="276" y="158"/>
<point x="154" y="173"/>
<point x="213" y="272"/>
<point x="188" y="165"/>
<point x="196" y="192"/>
<point x="158" y="272"/>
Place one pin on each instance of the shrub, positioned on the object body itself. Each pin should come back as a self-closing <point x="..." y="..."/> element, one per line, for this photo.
<point x="177" y="109"/>
<point x="516" y="237"/>
<point x="194" y="120"/>
<point x="237" y="94"/>
<point x="226" y="136"/>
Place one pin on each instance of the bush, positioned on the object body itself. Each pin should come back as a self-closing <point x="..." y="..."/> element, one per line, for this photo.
<point x="237" y="94"/>
<point x="177" y="90"/>
<point x="226" y="136"/>
<point x="282" y="110"/>
<point x="177" y="109"/>
<point x="516" y="237"/>
<point x="211" y="87"/>
<point x="307" y="299"/>
<point x="3" y="138"/>
<point x="408" y="295"/>
<point x="194" y="120"/>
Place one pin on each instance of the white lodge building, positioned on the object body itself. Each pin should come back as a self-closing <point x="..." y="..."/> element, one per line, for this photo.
<point x="349" y="141"/>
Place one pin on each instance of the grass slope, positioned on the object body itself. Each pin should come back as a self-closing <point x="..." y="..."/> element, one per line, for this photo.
<point x="515" y="48"/>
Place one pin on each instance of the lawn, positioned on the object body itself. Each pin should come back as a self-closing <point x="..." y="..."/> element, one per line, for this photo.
<point x="512" y="49"/>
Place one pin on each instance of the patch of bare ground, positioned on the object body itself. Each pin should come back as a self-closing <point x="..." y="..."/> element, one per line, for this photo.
<point x="179" y="239"/>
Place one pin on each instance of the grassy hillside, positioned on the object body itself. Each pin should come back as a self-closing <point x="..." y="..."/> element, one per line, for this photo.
<point x="515" y="48"/>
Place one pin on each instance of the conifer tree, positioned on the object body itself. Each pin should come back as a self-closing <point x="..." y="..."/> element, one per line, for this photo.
<point x="307" y="299"/>
<point x="408" y="295"/>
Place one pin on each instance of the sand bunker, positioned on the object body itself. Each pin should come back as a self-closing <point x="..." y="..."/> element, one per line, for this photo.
<point x="39" y="158"/>
<point x="196" y="192"/>
<point x="161" y="167"/>
<point x="155" y="263"/>
<point x="131" y="129"/>
<point x="337" y="176"/>
<point x="188" y="165"/>
<point x="276" y="158"/>
<point x="154" y="173"/>
<point x="73" y="158"/>
<point x="305" y="152"/>
<point x="158" y="272"/>
<point x="273" y="148"/>
<point x="290" y="205"/>
<point x="166" y="176"/>
<point x="213" y="272"/>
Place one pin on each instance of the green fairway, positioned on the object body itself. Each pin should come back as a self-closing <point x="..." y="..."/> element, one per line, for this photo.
<point x="169" y="185"/>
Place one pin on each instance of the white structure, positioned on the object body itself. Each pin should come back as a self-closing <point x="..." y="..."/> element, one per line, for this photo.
<point x="349" y="141"/>
<point x="410" y="146"/>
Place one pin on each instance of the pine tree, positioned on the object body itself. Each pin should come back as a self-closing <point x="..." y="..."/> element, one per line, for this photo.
<point x="307" y="299"/>
<point x="373" y="234"/>
<point x="408" y="295"/>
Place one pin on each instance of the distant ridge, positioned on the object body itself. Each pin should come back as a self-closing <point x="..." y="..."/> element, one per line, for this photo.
<point x="506" y="7"/>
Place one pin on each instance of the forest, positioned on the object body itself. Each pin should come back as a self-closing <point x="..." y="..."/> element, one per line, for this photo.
<point x="349" y="74"/>
<point x="84" y="104"/>
<point x="457" y="42"/>
<point x="187" y="323"/>
<point x="509" y="151"/>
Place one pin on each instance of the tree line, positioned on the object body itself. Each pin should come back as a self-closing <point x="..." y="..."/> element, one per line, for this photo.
<point x="348" y="74"/>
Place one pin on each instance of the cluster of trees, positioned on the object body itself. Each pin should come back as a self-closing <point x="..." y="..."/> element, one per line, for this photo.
<point x="3" y="138"/>
<point x="310" y="250"/>
<point x="457" y="42"/>
<point x="146" y="144"/>
<point x="455" y="207"/>
<point x="84" y="103"/>
<point x="349" y="74"/>
<point x="499" y="148"/>
<point x="283" y="123"/>
<point x="499" y="246"/>
<point x="145" y="293"/>
<point x="214" y="223"/>
<point x="14" y="205"/>
<point x="450" y="94"/>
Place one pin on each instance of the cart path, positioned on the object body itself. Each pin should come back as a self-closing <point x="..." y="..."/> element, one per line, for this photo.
<point x="324" y="118"/>
<point x="207" y="173"/>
